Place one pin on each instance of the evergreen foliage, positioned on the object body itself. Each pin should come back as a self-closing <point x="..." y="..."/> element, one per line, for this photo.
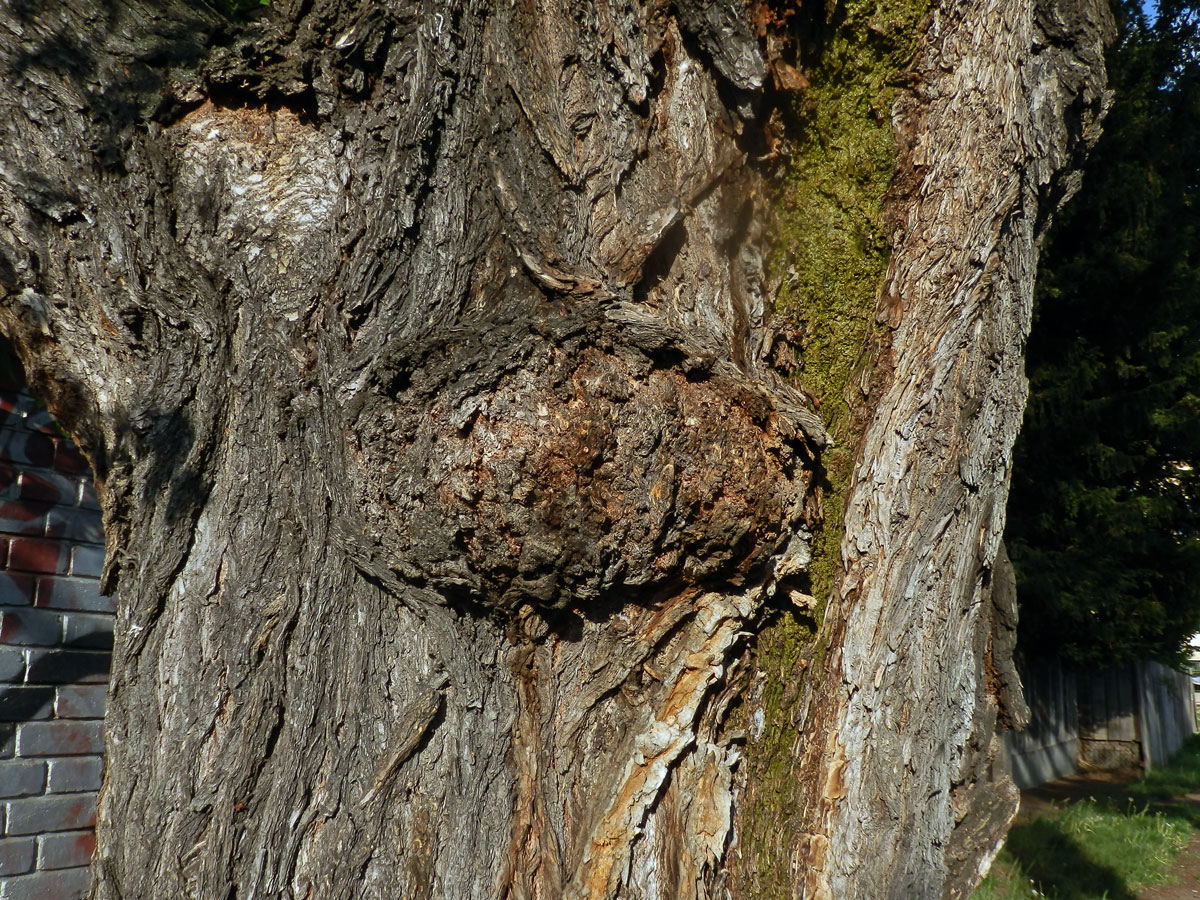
<point x="1104" y="520"/>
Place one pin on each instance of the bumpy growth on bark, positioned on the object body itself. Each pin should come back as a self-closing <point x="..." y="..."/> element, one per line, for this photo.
<point x="429" y="365"/>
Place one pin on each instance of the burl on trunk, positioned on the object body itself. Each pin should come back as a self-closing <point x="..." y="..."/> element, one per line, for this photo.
<point x="463" y="506"/>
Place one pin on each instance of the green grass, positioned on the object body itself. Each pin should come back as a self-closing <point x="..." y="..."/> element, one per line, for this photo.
<point x="238" y="10"/>
<point x="1086" y="851"/>
<point x="1102" y="849"/>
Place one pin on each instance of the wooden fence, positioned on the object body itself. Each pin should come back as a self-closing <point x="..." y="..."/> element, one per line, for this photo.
<point x="1133" y="715"/>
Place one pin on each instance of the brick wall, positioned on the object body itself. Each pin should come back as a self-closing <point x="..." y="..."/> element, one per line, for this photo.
<point x="55" y="647"/>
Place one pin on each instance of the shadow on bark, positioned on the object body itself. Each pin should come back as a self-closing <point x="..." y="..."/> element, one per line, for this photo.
<point x="177" y="37"/>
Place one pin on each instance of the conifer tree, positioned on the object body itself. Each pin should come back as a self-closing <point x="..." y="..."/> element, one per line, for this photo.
<point x="1104" y="526"/>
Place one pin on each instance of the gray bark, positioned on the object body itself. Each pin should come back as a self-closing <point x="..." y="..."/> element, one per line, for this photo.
<point x="421" y="354"/>
<point x="926" y="511"/>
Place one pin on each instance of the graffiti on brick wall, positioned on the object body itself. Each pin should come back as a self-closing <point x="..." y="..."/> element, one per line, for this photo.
<point x="55" y="650"/>
<point x="55" y="626"/>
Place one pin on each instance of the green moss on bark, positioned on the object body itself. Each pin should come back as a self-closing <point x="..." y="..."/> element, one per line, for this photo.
<point x="832" y="257"/>
<point x="832" y="250"/>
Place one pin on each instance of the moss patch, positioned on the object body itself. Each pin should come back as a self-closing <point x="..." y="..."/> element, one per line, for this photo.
<point x="832" y="256"/>
<point x="832" y="250"/>
<point x="239" y="10"/>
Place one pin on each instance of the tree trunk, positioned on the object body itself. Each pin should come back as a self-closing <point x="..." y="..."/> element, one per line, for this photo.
<point x="460" y="515"/>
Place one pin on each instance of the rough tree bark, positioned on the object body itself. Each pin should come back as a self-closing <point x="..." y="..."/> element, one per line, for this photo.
<point x="428" y="361"/>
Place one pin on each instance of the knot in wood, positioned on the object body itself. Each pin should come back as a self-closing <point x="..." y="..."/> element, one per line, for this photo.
<point x="556" y="467"/>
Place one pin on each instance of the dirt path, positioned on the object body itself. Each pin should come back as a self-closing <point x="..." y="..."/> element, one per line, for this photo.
<point x="1098" y="785"/>
<point x="1186" y="875"/>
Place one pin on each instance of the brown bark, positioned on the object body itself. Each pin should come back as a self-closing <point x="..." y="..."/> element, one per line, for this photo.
<point x="421" y="353"/>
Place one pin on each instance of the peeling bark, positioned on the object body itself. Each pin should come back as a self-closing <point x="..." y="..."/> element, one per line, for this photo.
<point x="424" y="355"/>
<point x="924" y="516"/>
